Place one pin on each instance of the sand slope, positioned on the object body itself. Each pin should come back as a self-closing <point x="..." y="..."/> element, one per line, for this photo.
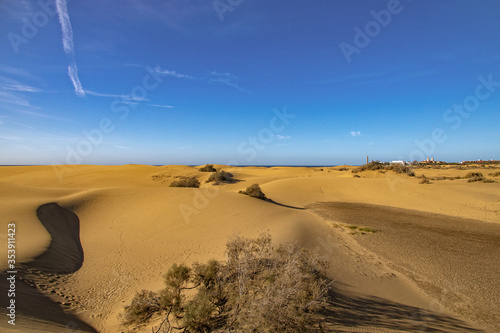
<point x="133" y="227"/>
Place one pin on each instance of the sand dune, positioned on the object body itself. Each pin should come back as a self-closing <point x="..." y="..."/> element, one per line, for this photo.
<point x="133" y="227"/>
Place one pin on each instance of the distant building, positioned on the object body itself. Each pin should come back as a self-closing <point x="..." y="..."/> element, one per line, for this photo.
<point x="399" y="162"/>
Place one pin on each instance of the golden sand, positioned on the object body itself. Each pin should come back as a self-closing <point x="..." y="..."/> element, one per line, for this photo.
<point x="132" y="227"/>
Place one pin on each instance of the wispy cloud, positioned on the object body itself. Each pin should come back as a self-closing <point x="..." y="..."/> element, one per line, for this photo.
<point x="19" y="87"/>
<point x="173" y="73"/>
<point x="67" y="30"/>
<point x="14" y="99"/>
<point x="283" y="137"/>
<point x="355" y="133"/>
<point x="18" y="72"/>
<point x="227" y="79"/>
<point x="73" y="75"/>
<point x="124" y="98"/>
<point x="13" y="96"/>
<point x="68" y="47"/>
<point x="161" y="106"/>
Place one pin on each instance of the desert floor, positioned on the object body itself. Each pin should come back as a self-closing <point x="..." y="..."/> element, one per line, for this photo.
<point x="432" y="265"/>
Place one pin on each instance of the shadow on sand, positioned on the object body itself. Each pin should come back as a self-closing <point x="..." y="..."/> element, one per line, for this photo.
<point x="283" y="205"/>
<point x="348" y="313"/>
<point x="63" y="256"/>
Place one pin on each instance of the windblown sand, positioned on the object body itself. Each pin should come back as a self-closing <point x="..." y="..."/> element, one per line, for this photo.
<point x="89" y="237"/>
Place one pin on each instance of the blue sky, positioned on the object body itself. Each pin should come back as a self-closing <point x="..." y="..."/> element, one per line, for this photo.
<point x="248" y="82"/>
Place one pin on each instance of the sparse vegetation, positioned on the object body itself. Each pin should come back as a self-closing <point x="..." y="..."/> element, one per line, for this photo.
<point x="400" y="168"/>
<point x="495" y="174"/>
<point x="356" y="176"/>
<point x="343" y="169"/>
<point x="254" y="191"/>
<point x="425" y="180"/>
<point x="259" y="288"/>
<point x="208" y="168"/>
<point x="220" y="177"/>
<point x="377" y="165"/>
<point x="474" y="177"/>
<point x="373" y="165"/>
<point x="360" y="230"/>
<point x="144" y="304"/>
<point x="186" y="182"/>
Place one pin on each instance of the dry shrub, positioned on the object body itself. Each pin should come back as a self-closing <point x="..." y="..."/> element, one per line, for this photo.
<point x="208" y="168"/>
<point x="255" y="192"/>
<point x="186" y="182"/>
<point x="144" y="304"/>
<point x="400" y="168"/>
<point x="474" y="177"/>
<point x="220" y="177"/>
<point x="373" y="165"/>
<point x="259" y="288"/>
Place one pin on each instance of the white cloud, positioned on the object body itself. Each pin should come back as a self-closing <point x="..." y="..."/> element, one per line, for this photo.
<point x="283" y="137"/>
<point x="124" y="98"/>
<point x="18" y="72"/>
<point x="214" y="77"/>
<point x="355" y="133"/>
<point x="14" y="99"/>
<point x="73" y="75"/>
<point x="68" y="47"/>
<point x="67" y="30"/>
<point x="225" y="78"/>
<point x="161" y="106"/>
<point x="19" y="87"/>
<point x="173" y="73"/>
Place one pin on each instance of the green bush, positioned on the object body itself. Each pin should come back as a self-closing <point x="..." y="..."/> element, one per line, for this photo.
<point x="255" y="192"/>
<point x="208" y="168"/>
<point x="259" y="288"/>
<point x="186" y="182"/>
<point x="220" y="177"/>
